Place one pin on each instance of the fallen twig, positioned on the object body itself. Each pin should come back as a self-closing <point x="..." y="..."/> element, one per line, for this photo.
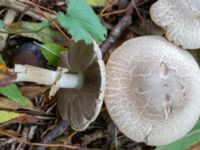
<point x="20" y="6"/>
<point x="121" y="26"/>
<point x="47" y="17"/>
<point x="8" y="19"/>
<point x="21" y="140"/>
<point x="57" y="131"/>
<point x="117" y="31"/>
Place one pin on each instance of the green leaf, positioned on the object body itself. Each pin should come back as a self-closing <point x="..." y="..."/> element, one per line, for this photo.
<point x="190" y="139"/>
<point x="7" y="116"/>
<point x="82" y="23"/>
<point x="52" y="52"/>
<point x="96" y="2"/>
<point x="1" y="24"/>
<point x="196" y="127"/>
<point x="1" y="60"/>
<point x="29" y="29"/>
<point x="44" y="23"/>
<point x="12" y="92"/>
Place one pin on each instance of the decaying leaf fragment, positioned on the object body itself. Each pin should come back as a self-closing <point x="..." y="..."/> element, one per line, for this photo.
<point x="6" y="75"/>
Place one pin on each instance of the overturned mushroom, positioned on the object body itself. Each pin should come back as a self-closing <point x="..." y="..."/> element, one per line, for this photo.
<point x="180" y="19"/>
<point x="152" y="90"/>
<point x="81" y="81"/>
<point x="81" y="106"/>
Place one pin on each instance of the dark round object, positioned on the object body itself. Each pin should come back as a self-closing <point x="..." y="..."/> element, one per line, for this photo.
<point x="27" y="53"/>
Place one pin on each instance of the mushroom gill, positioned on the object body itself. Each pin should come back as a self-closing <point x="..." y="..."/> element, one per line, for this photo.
<point x="80" y="106"/>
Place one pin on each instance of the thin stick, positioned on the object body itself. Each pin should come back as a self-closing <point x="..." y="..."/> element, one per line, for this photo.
<point x="52" y="145"/>
<point x="19" y="6"/>
<point x="57" y="131"/>
<point x="122" y="25"/>
<point x="114" y="12"/>
<point x="37" y="144"/>
<point x="26" y="31"/>
<point x="110" y="5"/>
<point x="8" y="19"/>
<point x="117" y="31"/>
<point x="36" y="5"/>
<point x="56" y="25"/>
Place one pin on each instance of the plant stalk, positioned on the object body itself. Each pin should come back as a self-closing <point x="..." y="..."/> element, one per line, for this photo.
<point x="27" y="73"/>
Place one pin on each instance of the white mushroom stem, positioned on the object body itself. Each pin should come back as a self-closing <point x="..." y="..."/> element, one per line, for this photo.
<point x="43" y="76"/>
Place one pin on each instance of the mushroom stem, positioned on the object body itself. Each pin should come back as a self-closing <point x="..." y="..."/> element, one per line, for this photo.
<point x="43" y="76"/>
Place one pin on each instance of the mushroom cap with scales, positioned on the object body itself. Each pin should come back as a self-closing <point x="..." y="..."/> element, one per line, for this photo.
<point x="81" y="106"/>
<point x="152" y="91"/>
<point x="180" y="19"/>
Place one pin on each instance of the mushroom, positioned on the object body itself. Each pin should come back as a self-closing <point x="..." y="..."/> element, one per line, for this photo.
<point x="81" y="106"/>
<point x="180" y="19"/>
<point x="152" y="91"/>
<point x="81" y="80"/>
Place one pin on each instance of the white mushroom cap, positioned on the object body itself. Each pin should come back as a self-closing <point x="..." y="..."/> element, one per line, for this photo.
<point x="152" y="91"/>
<point x="180" y="19"/>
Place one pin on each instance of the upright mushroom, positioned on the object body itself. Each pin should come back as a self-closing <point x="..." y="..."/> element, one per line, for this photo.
<point x="152" y="90"/>
<point x="81" y="81"/>
<point x="180" y="19"/>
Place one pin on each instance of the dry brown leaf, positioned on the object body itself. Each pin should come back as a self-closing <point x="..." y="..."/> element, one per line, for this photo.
<point x="6" y="75"/>
<point x="32" y="91"/>
<point x="25" y="119"/>
<point x="8" y="104"/>
<point x="9" y="133"/>
<point x="195" y="147"/>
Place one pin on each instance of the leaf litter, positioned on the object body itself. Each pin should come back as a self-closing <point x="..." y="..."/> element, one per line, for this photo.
<point x="28" y="117"/>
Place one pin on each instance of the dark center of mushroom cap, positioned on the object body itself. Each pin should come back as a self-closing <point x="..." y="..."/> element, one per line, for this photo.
<point x="156" y="89"/>
<point x="154" y="80"/>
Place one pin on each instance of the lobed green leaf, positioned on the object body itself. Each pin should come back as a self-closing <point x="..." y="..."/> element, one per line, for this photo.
<point x="82" y="23"/>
